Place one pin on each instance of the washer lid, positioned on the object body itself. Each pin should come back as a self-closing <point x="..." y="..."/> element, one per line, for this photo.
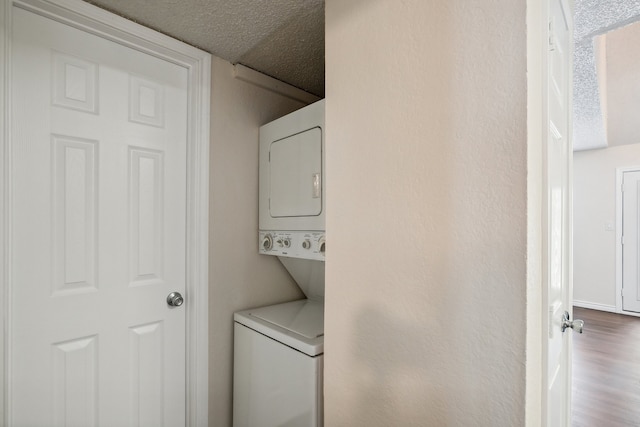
<point x="304" y="317"/>
<point x="297" y="324"/>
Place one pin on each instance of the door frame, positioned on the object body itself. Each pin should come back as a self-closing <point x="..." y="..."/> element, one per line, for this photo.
<point x="619" y="217"/>
<point x="94" y="20"/>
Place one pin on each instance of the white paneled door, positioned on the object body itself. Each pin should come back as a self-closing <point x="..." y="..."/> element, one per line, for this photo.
<point x="631" y="241"/>
<point x="99" y="190"/>
<point x="558" y="213"/>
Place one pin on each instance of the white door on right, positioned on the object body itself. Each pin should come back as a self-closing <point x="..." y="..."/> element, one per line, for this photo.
<point x="557" y="214"/>
<point x="630" y="241"/>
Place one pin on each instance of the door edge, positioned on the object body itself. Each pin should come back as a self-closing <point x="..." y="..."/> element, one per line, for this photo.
<point x="537" y="16"/>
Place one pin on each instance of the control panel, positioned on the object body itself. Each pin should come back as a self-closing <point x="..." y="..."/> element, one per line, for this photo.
<point x="294" y="244"/>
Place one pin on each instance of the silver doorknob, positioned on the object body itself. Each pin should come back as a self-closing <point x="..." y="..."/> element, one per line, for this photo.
<point x="577" y="324"/>
<point x="175" y="299"/>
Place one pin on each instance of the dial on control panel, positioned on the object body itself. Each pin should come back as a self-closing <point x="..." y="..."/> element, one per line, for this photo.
<point x="267" y="242"/>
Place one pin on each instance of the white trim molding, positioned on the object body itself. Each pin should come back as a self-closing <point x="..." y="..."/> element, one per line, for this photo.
<point x="594" y="306"/>
<point x="91" y="19"/>
<point x="254" y="77"/>
<point x="5" y="242"/>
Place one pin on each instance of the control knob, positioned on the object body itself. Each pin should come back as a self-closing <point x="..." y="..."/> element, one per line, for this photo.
<point x="267" y="242"/>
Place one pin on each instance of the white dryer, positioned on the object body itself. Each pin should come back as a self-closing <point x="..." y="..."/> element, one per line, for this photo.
<point x="278" y="365"/>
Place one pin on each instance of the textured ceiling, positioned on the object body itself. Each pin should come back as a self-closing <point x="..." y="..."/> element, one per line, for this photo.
<point x="285" y="39"/>
<point x="281" y="38"/>
<point x="593" y="18"/>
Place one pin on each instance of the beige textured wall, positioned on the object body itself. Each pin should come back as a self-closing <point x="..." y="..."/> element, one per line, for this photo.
<point x="239" y="278"/>
<point x="425" y="313"/>
<point x="622" y="89"/>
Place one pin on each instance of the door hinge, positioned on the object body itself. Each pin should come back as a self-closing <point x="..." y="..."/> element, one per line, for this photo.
<point x="552" y="37"/>
<point x="622" y="240"/>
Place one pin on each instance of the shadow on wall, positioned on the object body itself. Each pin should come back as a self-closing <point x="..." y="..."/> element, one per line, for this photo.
<point x="397" y="378"/>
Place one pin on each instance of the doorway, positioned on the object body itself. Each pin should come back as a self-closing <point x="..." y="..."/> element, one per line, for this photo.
<point x="606" y="149"/>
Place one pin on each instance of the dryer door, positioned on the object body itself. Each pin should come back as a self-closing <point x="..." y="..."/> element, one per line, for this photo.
<point x="292" y="193"/>
<point x="295" y="175"/>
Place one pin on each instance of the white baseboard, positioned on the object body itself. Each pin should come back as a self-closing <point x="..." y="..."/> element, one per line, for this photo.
<point x="594" y="306"/>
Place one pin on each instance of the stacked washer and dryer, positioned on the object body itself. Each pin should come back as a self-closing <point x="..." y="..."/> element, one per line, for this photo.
<point x="278" y="350"/>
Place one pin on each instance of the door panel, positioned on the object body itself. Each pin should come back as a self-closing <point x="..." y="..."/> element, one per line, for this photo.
<point x="99" y="184"/>
<point x="631" y="242"/>
<point x="558" y="204"/>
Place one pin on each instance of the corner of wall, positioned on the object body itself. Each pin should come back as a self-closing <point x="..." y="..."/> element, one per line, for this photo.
<point x="239" y="277"/>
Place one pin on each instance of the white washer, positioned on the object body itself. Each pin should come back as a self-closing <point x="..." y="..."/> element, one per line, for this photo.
<point x="278" y="365"/>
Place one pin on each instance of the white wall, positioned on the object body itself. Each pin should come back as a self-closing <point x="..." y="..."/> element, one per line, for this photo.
<point x="622" y="90"/>
<point x="426" y="213"/>
<point x="239" y="277"/>
<point x="594" y="203"/>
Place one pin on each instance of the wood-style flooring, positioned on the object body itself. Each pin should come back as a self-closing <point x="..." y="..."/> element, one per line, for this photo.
<point x="606" y="370"/>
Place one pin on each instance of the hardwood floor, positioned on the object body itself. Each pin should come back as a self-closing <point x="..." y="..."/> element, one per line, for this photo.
<point x="606" y="370"/>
